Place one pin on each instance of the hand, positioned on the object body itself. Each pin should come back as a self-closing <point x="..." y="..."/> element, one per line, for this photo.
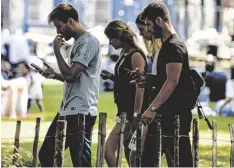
<point x="50" y="73"/>
<point x="106" y="75"/>
<point x="148" y="117"/>
<point x="138" y="78"/>
<point x="58" y="43"/>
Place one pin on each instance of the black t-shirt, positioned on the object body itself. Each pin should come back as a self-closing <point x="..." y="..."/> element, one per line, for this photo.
<point x="232" y="72"/>
<point x="174" y="51"/>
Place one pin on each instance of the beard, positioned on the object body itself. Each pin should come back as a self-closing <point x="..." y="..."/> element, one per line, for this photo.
<point x="158" y="31"/>
<point x="116" y="47"/>
<point x="67" y="35"/>
<point x="67" y="38"/>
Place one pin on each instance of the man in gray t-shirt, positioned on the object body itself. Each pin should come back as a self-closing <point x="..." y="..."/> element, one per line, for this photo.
<point x="81" y="95"/>
<point x="81" y="77"/>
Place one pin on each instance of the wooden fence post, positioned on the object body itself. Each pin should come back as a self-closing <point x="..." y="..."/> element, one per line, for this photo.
<point x="176" y="141"/>
<point x="158" y="140"/>
<point x="231" y="129"/>
<point x="101" y="139"/>
<point x="138" y="140"/>
<point x="35" y="144"/>
<point x="214" y="144"/>
<point x="195" y="142"/>
<point x="16" y="143"/>
<point x="81" y="135"/>
<point x="120" y="146"/>
<point x="60" y="139"/>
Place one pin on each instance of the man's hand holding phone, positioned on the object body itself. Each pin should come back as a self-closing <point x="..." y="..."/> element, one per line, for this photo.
<point x="47" y="73"/>
<point x="138" y="77"/>
<point x="50" y="73"/>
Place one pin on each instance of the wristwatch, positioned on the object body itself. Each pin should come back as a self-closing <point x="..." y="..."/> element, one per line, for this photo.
<point x="152" y="108"/>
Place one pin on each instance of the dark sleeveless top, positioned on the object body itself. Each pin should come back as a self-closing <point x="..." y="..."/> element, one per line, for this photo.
<point x="124" y="91"/>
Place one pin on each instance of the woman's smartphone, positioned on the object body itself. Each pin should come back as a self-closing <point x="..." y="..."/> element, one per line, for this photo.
<point x="128" y="71"/>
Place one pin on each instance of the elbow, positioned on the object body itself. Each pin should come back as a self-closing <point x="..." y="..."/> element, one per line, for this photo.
<point x="69" y="79"/>
<point x="174" y="82"/>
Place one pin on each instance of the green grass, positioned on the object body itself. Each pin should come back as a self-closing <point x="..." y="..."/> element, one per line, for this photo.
<point x="53" y="97"/>
<point x="223" y="155"/>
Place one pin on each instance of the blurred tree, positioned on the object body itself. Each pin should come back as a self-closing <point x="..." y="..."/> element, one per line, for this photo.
<point x="202" y="14"/>
<point x="218" y="15"/>
<point x="186" y="19"/>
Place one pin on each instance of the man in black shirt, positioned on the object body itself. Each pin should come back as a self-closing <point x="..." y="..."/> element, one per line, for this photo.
<point x="173" y="82"/>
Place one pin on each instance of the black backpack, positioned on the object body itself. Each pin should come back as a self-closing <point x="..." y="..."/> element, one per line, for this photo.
<point x="197" y="83"/>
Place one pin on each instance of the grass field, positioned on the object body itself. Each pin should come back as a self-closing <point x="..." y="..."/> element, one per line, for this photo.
<point x="53" y="96"/>
<point x="52" y="99"/>
<point x="223" y="153"/>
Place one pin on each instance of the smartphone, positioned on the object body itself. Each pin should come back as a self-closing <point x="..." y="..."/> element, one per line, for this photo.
<point x="128" y="70"/>
<point x="45" y="63"/>
<point x="38" y="68"/>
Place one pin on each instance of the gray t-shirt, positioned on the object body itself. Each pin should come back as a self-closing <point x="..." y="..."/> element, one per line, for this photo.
<point x="81" y="96"/>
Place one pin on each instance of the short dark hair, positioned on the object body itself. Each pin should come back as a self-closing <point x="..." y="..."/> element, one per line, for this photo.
<point x="156" y="9"/>
<point x="139" y="20"/>
<point x="63" y="12"/>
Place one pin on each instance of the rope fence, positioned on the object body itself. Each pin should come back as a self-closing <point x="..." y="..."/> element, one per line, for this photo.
<point x="61" y="135"/>
<point x="96" y="133"/>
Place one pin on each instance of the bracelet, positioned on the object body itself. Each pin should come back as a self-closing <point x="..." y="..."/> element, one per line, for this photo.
<point x="152" y="109"/>
<point x="135" y="114"/>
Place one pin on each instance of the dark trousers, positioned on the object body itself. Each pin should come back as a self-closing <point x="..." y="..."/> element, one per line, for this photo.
<point x="39" y="104"/>
<point x="167" y="125"/>
<point x="46" y="153"/>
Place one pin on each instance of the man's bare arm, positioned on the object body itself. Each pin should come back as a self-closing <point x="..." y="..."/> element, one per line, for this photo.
<point x="173" y="74"/>
<point x="69" y="74"/>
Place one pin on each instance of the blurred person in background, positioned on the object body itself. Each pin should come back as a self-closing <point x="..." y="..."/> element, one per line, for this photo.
<point x="16" y="51"/>
<point x="216" y="82"/>
<point x="35" y="80"/>
<point x="35" y="92"/>
<point x="108" y="64"/>
<point x="15" y="94"/>
<point x="5" y="68"/>
<point x="225" y="107"/>
<point x="81" y="77"/>
<point x="128" y="97"/>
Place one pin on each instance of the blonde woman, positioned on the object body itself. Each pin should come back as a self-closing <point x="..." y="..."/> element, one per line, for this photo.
<point x="152" y="45"/>
<point x="128" y="97"/>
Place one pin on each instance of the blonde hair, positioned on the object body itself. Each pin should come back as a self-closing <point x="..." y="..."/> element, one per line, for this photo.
<point x="119" y="29"/>
<point x="153" y="47"/>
